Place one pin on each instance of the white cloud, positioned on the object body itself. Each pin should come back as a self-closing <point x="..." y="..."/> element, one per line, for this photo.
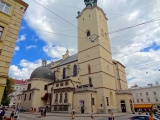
<point x="17" y="48"/>
<point x="133" y="15"/>
<point x="22" y="38"/>
<point x="25" y="69"/>
<point x="57" y="51"/>
<point x="31" y="47"/>
<point x="120" y="13"/>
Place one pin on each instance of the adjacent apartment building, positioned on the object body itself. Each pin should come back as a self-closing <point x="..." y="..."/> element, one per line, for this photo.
<point x="19" y="86"/>
<point x="146" y="97"/>
<point x="11" y="13"/>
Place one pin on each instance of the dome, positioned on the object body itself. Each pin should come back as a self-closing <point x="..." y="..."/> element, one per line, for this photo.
<point x="42" y="72"/>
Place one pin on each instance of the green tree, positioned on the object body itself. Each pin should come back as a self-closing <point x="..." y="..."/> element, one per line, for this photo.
<point x="8" y="90"/>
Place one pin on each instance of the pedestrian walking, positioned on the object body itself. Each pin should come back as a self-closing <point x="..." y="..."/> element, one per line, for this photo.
<point x="12" y="115"/>
<point x="151" y="117"/>
<point x="72" y="114"/>
<point x="111" y="117"/>
<point x="45" y="112"/>
<point x="92" y="115"/>
<point x="31" y="110"/>
<point x="3" y="113"/>
<point x="16" y="115"/>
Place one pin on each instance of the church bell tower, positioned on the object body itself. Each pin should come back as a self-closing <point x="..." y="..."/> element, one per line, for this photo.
<point x="94" y="51"/>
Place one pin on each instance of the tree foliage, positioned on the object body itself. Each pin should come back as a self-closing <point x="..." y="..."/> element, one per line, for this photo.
<point x="8" y="90"/>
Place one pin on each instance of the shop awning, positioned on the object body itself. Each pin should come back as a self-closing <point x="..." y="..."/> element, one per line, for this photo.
<point x="143" y="105"/>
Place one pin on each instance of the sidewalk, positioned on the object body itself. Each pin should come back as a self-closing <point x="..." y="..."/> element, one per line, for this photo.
<point x="80" y="115"/>
<point x="76" y="115"/>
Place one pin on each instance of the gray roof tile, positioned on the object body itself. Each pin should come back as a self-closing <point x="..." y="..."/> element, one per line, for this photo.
<point x="69" y="59"/>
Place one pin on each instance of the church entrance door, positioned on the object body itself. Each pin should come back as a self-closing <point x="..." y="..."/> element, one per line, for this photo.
<point x="82" y="107"/>
<point x="123" y="106"/>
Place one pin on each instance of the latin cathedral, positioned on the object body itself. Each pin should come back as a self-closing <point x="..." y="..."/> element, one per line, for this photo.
<point x="89" y="80"/>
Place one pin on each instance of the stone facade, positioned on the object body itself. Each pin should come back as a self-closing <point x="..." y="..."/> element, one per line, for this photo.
<point x="19" y="86"/>
<point x="88" y="80"/>
<point x="149" y="94"/>
<point x="10" y="21"/>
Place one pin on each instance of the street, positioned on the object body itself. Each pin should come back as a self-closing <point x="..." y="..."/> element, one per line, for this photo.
<point x="120" y="118"/>
<point x="24" y="116"/>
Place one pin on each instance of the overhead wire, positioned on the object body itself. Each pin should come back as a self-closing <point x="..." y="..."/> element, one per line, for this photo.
<point x="106" y="12"/>
<point x="71" y="23"/>
<point x="58" y="16"/>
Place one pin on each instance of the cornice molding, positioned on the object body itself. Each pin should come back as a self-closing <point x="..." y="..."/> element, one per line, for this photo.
<point x="23" y="3"/>
<point x="91" y="9"/>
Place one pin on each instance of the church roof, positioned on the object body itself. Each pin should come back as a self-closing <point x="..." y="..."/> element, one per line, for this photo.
<point x="42" y="72"/>
<point x="20" y="82"/>
<point x="69" y="59"/>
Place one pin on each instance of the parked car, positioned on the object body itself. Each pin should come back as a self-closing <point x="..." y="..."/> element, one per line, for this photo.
<point x="157" y="115"/>
<point x="142" y="117"/>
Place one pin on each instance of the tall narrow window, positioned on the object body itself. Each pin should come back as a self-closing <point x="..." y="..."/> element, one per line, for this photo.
<point x="107" y="101"/>
<point x="45" y="87"/>
<point x="1" y="31"/>
<point x="56" y="100"/>
<point x="75" y="70"/>
<point x="66" y="97"/>
<point x="25" y="97"/>
<point x="89" y="69"/>
<point x="54" y="76"/>
<point x="60" y="100"/>
<point x="64" y="73"/>
<point x="92" y="101"/>
<point x="88" y="34"/>
<point x="4" y="7"/>
<point x="29" y="86"/>
<point x="90" y="81"/>
<point x="30" y="96"/>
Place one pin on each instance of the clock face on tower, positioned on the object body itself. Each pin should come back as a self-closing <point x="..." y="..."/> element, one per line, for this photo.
<point x="90" y="3"/>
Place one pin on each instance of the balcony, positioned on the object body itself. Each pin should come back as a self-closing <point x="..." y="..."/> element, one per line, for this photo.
<point x="123" y="92"/>
<point x="85" y="88"/>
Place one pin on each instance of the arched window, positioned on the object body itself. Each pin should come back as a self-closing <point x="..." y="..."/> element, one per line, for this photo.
<point x="89" y="69"/>
<point x="64" y="73"/>
<point x="29" y="86"/>
<point x="88" y="34"/>
<point x="75" y="70"/>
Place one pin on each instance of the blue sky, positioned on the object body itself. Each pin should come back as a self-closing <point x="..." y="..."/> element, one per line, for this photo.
<point x="31" y="53"/>
<point x="34" y="45"/>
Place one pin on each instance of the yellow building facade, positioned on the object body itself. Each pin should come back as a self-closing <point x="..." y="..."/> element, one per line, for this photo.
<point x="11" y="13"/>
<point x="89" y="80"/>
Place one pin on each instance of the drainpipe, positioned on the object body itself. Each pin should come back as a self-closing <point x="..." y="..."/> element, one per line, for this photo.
<point x="52" y="93"/>
<point x="73" y="92"/>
